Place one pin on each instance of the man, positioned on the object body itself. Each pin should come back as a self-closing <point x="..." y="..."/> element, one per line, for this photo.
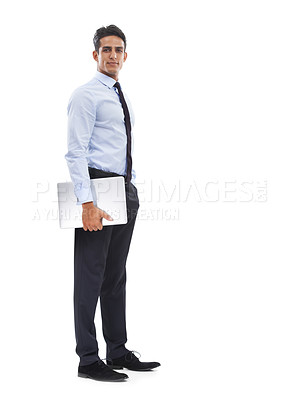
<point x="100" y="119"/>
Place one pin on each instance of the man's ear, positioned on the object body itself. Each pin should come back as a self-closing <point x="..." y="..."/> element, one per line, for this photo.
<point x="125" y="56"/>
<point x="95" y="55"/>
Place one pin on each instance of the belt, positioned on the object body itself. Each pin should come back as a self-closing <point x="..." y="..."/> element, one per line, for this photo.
<point x="99" y="173"/>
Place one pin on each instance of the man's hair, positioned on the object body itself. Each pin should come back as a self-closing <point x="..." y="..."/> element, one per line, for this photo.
<point x="110" y="30"/>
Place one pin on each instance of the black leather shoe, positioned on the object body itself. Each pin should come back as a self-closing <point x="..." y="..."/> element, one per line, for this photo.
<point x="130" y="361"/>
<point x="100" y="372"/>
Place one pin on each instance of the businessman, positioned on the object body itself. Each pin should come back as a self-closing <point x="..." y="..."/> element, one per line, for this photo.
<point x="100" y="121"/>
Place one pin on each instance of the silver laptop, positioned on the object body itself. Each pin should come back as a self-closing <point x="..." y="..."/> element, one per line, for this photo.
<point x="108" y="194"/>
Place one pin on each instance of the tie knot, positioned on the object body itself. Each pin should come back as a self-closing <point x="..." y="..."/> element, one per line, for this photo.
<point x="117" y="85"/>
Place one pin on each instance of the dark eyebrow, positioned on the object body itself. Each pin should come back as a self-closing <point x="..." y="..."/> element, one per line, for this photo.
<point x="109" y="47"/>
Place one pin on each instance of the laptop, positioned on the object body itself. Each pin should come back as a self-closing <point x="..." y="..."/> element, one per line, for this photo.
<point x="108" y="195"/>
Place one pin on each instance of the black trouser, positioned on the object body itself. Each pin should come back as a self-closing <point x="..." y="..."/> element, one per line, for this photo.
<point x="99" y="271"/>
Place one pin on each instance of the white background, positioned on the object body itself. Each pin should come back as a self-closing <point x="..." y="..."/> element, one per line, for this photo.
<point x="212" y="294"/>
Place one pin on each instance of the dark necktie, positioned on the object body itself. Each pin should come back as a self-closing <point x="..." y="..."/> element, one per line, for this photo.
<point x="128" y="131"/>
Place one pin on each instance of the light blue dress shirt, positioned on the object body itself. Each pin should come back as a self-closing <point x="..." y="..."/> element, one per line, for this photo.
<point x="96" y="133"/>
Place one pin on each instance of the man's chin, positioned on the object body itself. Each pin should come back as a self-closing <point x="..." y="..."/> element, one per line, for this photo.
<point x="113" y="70"/>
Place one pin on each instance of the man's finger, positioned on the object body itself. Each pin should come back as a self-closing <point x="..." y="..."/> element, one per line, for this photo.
<point x="99" y="226"/>
<point x="106" y="216"/>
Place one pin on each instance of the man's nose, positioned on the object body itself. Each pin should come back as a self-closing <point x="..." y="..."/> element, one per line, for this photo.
<point x="113" y="54"/>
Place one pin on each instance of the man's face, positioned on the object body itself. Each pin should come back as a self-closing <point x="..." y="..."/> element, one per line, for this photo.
<point x="111" y="56"/>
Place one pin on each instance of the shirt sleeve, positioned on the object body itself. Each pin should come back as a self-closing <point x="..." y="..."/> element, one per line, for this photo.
<point x="81" y="121"/>
<point x="133" y="173"/>
<point x="132" y="120"/>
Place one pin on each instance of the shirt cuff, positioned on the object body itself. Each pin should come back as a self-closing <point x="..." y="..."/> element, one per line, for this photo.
<point x="133" y="176"/>
<point x="83" y="194"/>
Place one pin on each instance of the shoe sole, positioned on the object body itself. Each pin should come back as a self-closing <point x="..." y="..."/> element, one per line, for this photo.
<point x="81" y="375"/>
<point x="131" y="369"/>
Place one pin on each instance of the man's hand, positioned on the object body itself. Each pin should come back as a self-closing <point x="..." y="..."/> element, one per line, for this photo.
<point x="92" y="217"/>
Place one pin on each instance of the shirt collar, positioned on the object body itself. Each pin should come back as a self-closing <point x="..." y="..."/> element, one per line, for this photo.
<point x="105" y="79"/>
